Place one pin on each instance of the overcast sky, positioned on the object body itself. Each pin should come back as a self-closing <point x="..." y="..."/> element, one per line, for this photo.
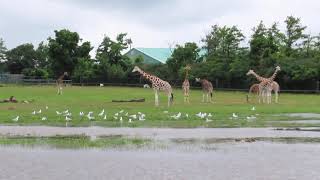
<point x="149" y="23"/>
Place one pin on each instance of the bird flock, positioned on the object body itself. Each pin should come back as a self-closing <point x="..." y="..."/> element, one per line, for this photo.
<point x="122" y="115"/>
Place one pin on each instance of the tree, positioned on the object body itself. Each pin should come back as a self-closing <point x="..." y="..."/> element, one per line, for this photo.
<point x="223" y="42"/>
<point x="42" y="53"/>
<point x="65" y="51"/>
<point x="3" y="50"/>
<point x="83" y="70"/>
<point x="21" y="57"/>
<point x="294" y="32"/>
<point x="183" y="55"/>
<point x="110" y="50"/>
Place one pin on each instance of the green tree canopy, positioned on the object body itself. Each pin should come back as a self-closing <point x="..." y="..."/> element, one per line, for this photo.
<point x="21" y="57"/>
<point x="65" y="51"/>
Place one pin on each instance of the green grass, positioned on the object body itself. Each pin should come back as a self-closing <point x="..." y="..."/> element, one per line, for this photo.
<point x="95" y="99"/>
<point x="74" y="142"/>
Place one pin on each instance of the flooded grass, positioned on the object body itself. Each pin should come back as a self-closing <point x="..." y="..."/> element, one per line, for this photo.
<point x="114" y="142"/>
<point x="73" y="141"/>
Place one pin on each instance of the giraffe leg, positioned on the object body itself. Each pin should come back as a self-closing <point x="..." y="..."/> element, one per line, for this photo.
<point x="207" y="97"/>
<point x="169" y="99"/>
<point x="156" y="98"/>
<point x="276" y="96"/>
<point x="203" y="97"/>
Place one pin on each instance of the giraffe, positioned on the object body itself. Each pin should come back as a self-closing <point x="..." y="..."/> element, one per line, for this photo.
<point x="60" y="82"/>
<point x="186" y="85"/>
<point x="265" y="85"/>
<point x="157" y="85"/>
<point x="207" y="88"/>
<point x="275" y="88"/>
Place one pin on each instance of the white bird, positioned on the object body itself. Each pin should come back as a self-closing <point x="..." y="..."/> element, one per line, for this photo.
<point x="251" y="117"/>
<point x="115" y="117"/>
<point x="39" y="112"/>
<point x="66" y="111"/>
<point x="201" y="115"/>
<point x="166" y="112"/>
<point x="116" y="114"/>
<point x="105" y="117"/>
<point x="187" y="115"/>
<point x="130" y="120"/>
<point x="126" y="114"/>
<point x="47" y="107"/>
<point x="90" y="118"/>
<point x="121" y="111"/>
<point x="58" y="113"/>
<point x="177" y="116"/>
<point x="120" y="118"/>
<point x="44" y="118"/>
<point x="68" y="119"/>
<point x="101" y="113"/>
<point x="209" y="115"/>
<point x="134" y="116"/>
<point x="253" y="108"/>
<point x="141" y="118"/>
<point x="68" y="114"/>
<point x="234" y="115"/>
<point x="101" y="85"/>
<point x="208" y="120"/>
<point x="33" y="113"/>
<point x="81" y="113"/>
<point x="16" y="119"/>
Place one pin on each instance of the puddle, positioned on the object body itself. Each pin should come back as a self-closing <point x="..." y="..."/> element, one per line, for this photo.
<point x="298" y="121"/>
<point x="239" y="161"/>
<point x="303" y="115"/>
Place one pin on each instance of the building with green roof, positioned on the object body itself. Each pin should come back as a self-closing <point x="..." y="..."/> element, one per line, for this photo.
<point x="152" y="55"/>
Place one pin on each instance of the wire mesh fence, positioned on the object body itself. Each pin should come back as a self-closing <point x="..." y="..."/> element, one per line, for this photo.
<point x="311" y="86"/>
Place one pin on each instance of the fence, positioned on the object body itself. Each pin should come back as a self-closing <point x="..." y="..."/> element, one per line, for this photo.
<point x="313" y="85"/>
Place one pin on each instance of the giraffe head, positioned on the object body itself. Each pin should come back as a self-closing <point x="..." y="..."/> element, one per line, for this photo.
<point x="278" y="68"/>
<point x="65" y="73"/>
<point x="188" y="67"/>
<point x="136" y="69"/>
<point x="198" y="79"/>
<point x="250" y="72"/>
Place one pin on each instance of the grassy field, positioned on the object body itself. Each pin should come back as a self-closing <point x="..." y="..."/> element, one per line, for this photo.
<point x="86" y="99"/>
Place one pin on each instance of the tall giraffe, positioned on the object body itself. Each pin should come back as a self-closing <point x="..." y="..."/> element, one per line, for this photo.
<point x="60" y="82"/>
<point x="186" y="85"/>
<point x="265" y="85"/>
<point x="275" y="88"/>
<point x="207" y="88"/>
<point x="157" y="85"/>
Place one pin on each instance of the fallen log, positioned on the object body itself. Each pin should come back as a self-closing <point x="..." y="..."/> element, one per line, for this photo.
<point x="130" y="100"/>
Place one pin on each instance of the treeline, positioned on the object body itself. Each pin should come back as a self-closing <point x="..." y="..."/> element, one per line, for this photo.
<point x="225" y="62"/>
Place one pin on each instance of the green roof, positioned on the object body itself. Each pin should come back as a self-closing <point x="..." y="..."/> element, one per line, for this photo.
<point x="160" y="54"/>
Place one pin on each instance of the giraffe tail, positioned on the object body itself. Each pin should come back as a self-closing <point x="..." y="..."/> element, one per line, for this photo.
<point x="171" y="98"/>
<point x="211" y="94"/>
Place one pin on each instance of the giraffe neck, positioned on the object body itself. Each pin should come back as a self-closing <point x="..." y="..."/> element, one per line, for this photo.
<point x="147" y="76"/>
<point x="187" y="73"/>
<point x="273" y="75"/>
<point x="259" y="78"/>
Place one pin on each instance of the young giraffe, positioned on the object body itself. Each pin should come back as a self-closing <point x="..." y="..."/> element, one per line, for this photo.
<point x="186" y="85"/>
<point x="265" y="85"/>
<point x="60" y="82"/>
<point x="157" y="85"/>
<point x="207" y="88"/>
<point x="275" y="88"/>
